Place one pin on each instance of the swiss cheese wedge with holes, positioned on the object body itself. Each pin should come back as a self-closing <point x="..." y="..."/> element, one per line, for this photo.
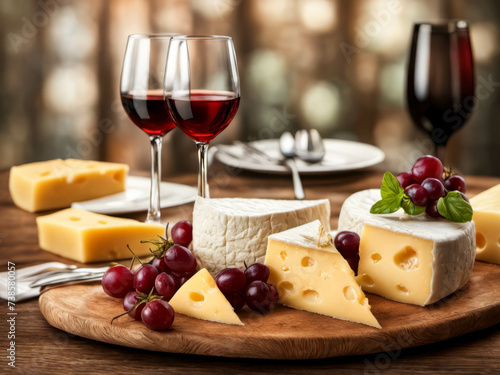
<point x="410" y="259"/>
<point x="311" y="275"/>
<point x="53" y="184"/>
<point x="200" y="298"/>
<point x="486" y="215"/>
<point x="88" y="237"/>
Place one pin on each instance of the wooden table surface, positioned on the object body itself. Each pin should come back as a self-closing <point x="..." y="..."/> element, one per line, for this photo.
<point x="42" y="349"/>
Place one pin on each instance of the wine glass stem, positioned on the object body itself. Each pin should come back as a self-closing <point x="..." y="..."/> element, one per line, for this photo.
<point x="202" y="170"/>
<point x="154" y="192"/>
<point x="441" y="154"/>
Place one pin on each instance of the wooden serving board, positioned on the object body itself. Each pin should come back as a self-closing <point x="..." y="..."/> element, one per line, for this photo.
<point x="85" y="310"/>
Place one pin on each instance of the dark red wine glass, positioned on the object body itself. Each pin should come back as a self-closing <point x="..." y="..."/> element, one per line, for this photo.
<point x="441" y="82"/>
<point x="141" y="90"/>
<point x="202" y="91"/>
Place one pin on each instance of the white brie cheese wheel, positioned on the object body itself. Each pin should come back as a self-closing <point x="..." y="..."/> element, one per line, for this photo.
<point x="411" y="259"/>
<point x="230" y="231"/>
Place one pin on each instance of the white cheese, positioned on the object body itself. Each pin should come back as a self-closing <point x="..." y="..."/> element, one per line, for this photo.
<point x="412" y="259"/>
<point x="230" y="231"/>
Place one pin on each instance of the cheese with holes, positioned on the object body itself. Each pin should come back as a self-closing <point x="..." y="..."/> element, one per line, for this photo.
<point x="410" y="259"/>
<point x="88" y="237"/>
<point x="53" y="184"/>
<point x="486" y="215"/>
<point x="311" y="275"/>
<point x="230" y="231"/>
<point x="200" y="298"/>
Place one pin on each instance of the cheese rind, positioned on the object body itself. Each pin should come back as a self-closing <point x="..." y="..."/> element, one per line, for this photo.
<point x="200" y="298"/>
<point x="486" y="215"/>
<point x="311" y="275"/>
<point x="449" y="259"/>
<point x="230" y="231"/>
<point x="89" y="237"/>
<point x="58" y="183"/>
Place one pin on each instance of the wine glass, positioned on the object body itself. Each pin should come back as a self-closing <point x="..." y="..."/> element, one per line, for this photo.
<point x="141" y="90"/>
<point x="202" y="91"/>
<point x="441" y="83"/>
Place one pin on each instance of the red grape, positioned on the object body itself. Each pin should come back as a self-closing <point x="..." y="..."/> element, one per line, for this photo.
<point x="130" y="300"/>
<point x="158" y="315"/>
<point x="236" y="300"/>
<point x="432" y="209"/>
<point x="179" y="281"/>
<point x="405" y="179"/>
<point x="417" y="194"/>
<point x="455" y="183"/>
<point x="165" y="285"/>
<point x="434" y="187"/>
<point x="180" y="260"/>
<point x="274" y="293"/>
<point x="231" y="280"/>
<point x="144" y="279"/>
<point x="160" y="265"/>
<point x="426" y="167"/>
<point x="353" y="261"/>
<point x="118" y="281"/>
<point x="182" y="233"/>
<point x="258" y="296"/>
<point x="257" y="271"/>
<point x="347" y="243"/>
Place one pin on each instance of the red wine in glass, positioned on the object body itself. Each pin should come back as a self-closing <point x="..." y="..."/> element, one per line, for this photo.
<point x="441" y="83"/>
<point x="147" y="110"/>
<point x="204" y="114"/>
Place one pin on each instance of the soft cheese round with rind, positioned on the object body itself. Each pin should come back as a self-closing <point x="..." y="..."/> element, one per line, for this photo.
<point x="454" y="243"/>
<point x="230" y="231"/>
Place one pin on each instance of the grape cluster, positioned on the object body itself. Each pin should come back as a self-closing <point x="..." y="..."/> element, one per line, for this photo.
<point x="347" y="243"/>
<point x="425" y="184"/>
<point x="146" y="292"/>
<point x="249" y="286"/>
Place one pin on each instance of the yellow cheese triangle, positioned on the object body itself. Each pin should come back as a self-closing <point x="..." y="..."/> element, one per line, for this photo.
<point x="486" y="217"/>
<point x="200" y="298"/>
<point x="311" y="275"/>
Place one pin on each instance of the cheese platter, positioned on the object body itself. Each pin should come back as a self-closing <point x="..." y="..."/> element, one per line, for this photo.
<point x="86" y="311"/>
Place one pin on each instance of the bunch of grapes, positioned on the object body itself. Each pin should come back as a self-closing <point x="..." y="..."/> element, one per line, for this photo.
<point x="425" y="184"/>
<point x="146" y="292"/>
<point x="249" y="286"/>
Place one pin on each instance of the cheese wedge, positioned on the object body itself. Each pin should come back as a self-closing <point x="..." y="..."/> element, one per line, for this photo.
<point x="311" y="275"/>
<point x="200" y="298"/>
<point x="57" y="183"/>
<point x="88" y="237"/>
<point x="410" y="259"/>
<point x="486" y="215"/>
<point x="230" y="231"/>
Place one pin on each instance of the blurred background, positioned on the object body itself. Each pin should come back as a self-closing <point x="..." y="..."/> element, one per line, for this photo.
<point x="335" y="65"/>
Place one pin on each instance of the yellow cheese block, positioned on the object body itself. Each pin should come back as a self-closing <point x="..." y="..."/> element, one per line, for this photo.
<point x="486" y="215"/>
<point x="57" y="183"/>
<point x="88" y="237"/>
<point x="311" y="275"/>
<point x="396" y="266"/>
<point x="200" y="298"/>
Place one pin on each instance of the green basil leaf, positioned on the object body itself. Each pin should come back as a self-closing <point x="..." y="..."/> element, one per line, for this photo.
<point x="454" y="208"/>
<point x="410" y="208"/>
<point x="387" y="205"/>
<point x="390" y="186"/>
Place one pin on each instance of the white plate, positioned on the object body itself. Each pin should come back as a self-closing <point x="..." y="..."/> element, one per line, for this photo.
<point x="136" y="197"/>
<point x="340" y="156"/>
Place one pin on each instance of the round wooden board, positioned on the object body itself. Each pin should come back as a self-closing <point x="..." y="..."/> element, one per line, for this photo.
<point x="85" y="310"/>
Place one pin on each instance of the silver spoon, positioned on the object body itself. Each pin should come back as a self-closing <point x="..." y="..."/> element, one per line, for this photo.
<point x="309" y="146"/>
<point x="287" y="148"/>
